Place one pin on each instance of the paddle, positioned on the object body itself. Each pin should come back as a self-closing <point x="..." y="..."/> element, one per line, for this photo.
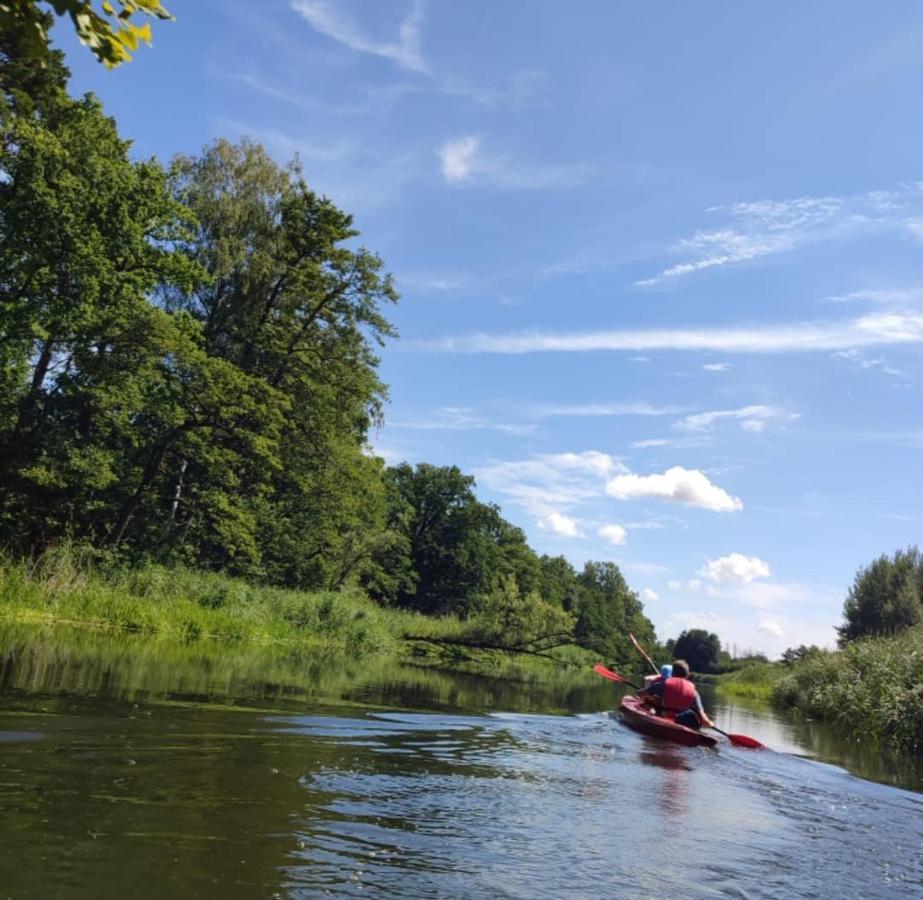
<point x="640" y="650"/>
<point x="738" y="740"/>
<point x="741" y="740"/>
<point x="600" y="669"/>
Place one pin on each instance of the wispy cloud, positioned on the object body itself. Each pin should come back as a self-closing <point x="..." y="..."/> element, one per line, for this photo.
<point x="330" y="20"/>
<point x="652" y="442"/>
<point x="690" y="487"/>
<point x="717" y="367"/>
<point x="464" y="162"/>
<point x="893" y="297"/>
<point x="866" y="362"/>
<point x="606" y="409"/>
<point x="769" y="227"/>
<point x="550" y="483"/>
<point x="877" y="329"/>
<point x="461" y="418"/>
<point x="751" y="418"/>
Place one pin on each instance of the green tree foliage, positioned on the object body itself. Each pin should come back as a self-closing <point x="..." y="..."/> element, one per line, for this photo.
<point x="794" y="655"/>
<point x="111" y="32"/>
<point x="700" y="648"/>
<point x="455" y="547"/>
<point x="189" y="374"/>
<point x="286" y="301"/>
<point x="607" y="610"/>
<point x="85" y="237"/>
<point x="513" y="618"/>
<point x="885" y="598"/>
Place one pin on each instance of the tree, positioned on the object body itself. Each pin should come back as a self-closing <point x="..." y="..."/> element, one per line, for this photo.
<point x="607" y="611"/>
<point x="885" y="597"/>
<point x="85" y="236"/>
<point x="289" y="301"/>
<point x="514" y="619"/>
<point x="699" y="648"/>
<point x="798" y="654"/>
<point x="112" y="34"/>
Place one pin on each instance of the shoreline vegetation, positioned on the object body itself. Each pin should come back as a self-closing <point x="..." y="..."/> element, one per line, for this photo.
<point x="189" y="382"/>
<point x="188" y="607"/>
<point x="871" y="688"/>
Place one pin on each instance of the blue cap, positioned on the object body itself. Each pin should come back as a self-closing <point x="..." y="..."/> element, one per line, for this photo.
<point x="666" y="671"/>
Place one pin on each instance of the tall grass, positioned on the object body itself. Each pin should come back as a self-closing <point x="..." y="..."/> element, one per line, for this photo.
<point x="66" y="585"/>
<point x="873" y="688"/>
<point x="72" y="585"/>
<point x="754" y="680"/>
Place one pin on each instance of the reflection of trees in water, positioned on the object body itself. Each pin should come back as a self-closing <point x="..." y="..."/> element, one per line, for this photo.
<point x="674" y="764"/>
<point x="864" y="757"/>
<point x="60" y="661"/>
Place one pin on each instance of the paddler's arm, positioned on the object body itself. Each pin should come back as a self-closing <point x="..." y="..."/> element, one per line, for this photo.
<point x="700" y="711"/>
<point x="652" y="693"/>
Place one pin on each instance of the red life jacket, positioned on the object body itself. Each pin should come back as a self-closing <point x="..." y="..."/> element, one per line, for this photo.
<point x="678" y="694"/>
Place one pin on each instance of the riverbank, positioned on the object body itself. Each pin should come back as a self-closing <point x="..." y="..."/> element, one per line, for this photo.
<point x="183" y="607"/>
<point x="873" y="688"/>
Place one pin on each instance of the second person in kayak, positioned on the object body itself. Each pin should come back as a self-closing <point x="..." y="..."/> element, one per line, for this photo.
<point x="676" y="698"/>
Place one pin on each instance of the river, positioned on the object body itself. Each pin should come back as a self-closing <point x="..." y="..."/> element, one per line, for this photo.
<point x="132" y="769"/>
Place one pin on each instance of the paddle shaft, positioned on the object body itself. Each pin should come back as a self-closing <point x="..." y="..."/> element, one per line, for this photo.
<point x="641" y="650"/>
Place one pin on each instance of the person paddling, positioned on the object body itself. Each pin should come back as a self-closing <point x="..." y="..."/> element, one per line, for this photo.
<point x="676" y="698"/>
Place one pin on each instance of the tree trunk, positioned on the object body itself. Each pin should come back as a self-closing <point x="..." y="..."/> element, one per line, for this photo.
<point x="147" y="479"/>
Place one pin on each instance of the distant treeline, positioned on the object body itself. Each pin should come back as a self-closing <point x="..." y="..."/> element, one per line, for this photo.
<point x="189" y="376"/>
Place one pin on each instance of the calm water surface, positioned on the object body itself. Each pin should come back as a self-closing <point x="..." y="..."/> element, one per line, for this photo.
<point x="129" y="770"/>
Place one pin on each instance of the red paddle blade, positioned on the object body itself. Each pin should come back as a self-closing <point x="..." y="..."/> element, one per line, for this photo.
<point x="741" y="740"/>
<point x="600" y="669"/>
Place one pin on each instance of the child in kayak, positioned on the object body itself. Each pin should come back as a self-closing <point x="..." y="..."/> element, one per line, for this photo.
<point x="676" y="698"/>
<point x="665" y="672"/>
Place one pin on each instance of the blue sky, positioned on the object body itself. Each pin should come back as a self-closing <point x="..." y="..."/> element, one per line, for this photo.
<point x="661" y="265"/>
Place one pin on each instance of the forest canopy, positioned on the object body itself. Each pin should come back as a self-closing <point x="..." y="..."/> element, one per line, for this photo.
<point x="189" y="376"/>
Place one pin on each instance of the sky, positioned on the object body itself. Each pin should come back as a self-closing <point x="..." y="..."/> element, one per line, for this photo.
<point x="660" y="265"/>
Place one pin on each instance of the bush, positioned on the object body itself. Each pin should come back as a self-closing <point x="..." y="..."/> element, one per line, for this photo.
<point x="872" y="688"/>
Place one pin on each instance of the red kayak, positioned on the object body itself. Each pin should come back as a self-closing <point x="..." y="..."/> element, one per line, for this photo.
<point x="637" y="715"/>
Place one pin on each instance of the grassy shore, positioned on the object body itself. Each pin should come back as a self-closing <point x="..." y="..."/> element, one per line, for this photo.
<point x="187" y="606"/>
<point x="873" y="688"/>
<point x="755" y="681"/>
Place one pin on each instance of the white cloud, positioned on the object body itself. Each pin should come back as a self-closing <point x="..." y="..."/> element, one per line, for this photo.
<point x="550" y="483"/>
<point x="649" y="596"/>
<point x="328" y="18"/>
<point x="458" y="157"/>
<point x="768" y="227"/>
<point x="770" y="627"/>
<point x="559" y="524"/>
<point x="735" y="568"/>
<point x="464" y="162"/>
<point x="717" y="367"/>
<point x="690" y="487"/>
<point x="614" y="534"/>
<point x="872" y="330"/>
<point x="752" y="418"/>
